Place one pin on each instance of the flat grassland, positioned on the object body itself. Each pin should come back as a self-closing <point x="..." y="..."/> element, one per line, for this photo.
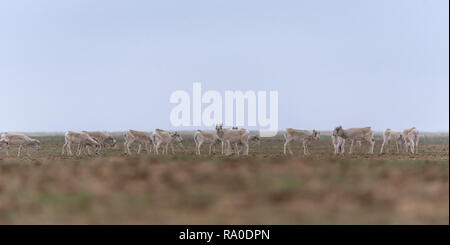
<point x="263" y="188"/>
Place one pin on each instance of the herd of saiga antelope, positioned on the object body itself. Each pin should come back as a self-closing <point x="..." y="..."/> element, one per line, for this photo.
<point x="227" y="137"/>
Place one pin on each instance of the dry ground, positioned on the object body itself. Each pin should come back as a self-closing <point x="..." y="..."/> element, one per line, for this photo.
<point x="262" y="188"/>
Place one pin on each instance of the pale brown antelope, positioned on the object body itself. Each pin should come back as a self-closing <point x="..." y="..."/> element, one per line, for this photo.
<point x="411" y="136"/>
<point x="83" y="140"/>
<point x="20" y="140"/>
<point x="104" y="139"/>
<point x="233" y="137"/>
<point x="209" y="138"/>
<point x="166" y="139"/>
<point x="390" y="136"/>
<point x="304" y="136"/>
<point x="139" y="137"/>
<point x="354" y="134"/>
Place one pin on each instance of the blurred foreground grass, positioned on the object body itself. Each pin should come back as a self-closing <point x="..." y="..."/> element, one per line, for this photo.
<point x="262" y="188"/>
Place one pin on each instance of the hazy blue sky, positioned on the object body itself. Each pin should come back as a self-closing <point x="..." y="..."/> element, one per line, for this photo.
<point x="112" y="65"/>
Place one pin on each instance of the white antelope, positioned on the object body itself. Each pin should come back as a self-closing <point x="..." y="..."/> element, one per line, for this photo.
<point x="83" y="140"/>
<point x="392" y="136"/>
<point x="166" y="138"/>
<point x="411" y="136"/>
<point x="354" y="134"/>
<point x="21" y="140"/>
<point x="141" y="138"/>
<point x="295" y="135"/>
